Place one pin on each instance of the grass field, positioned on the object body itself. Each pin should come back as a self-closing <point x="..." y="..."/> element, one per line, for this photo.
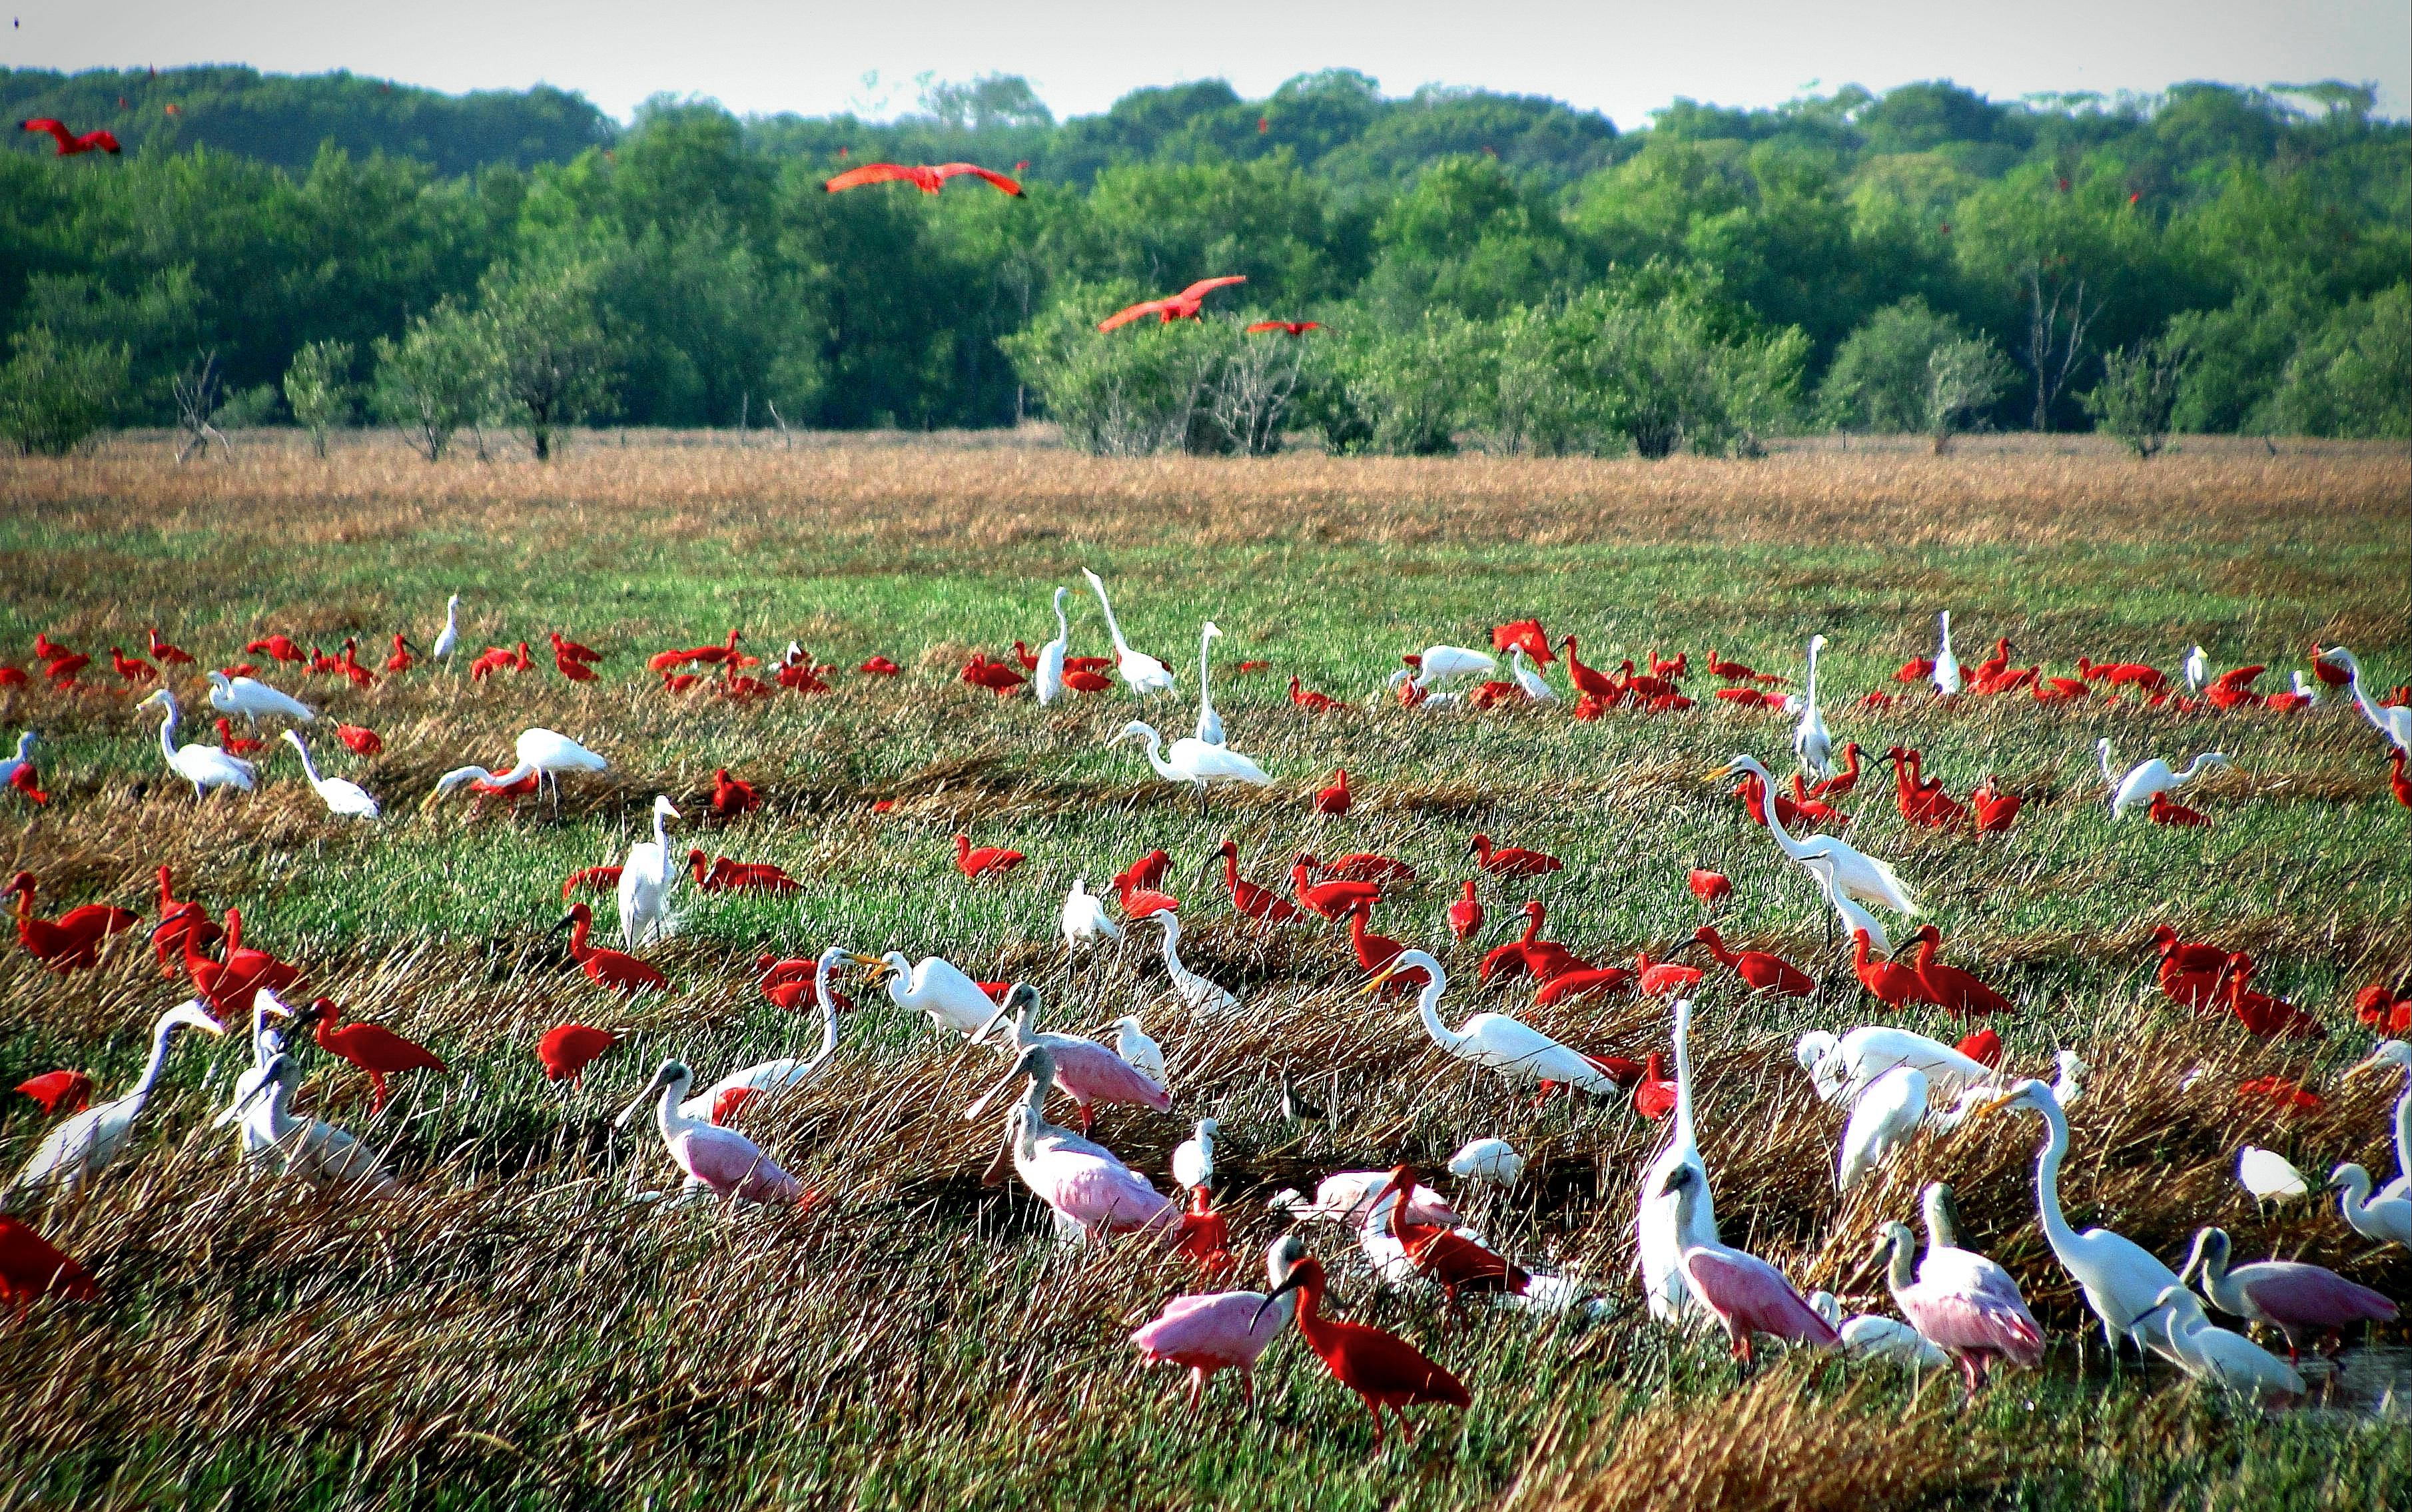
<point x="516" y="1333"/>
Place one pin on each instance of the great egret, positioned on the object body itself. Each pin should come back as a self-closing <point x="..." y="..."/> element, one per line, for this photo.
<point x="344" y="797"/>
<point x="312" y="1148"/>
<point x="1946" y="676"/>
<point x="1855" y="919"/>
<point x="719" y="1159"/>
<point x="255" y="700"/>
<point x="1210" y="723"/>
<point x="81" y="1147"/>
<point x="2136" y="789"/>
<point x="1495" y="1041"/>
<point x="1495" y="1161"/>
<point x="1961" y="1302"/>
<point x="1855" y="876"/>
<point x="1203" y="998"/>
<point x="1843" y="1068"/>
<point x="2397" y="1053"/>
<point x="1223" y="1330"/>
<point x="2396" y="723"/>
<point x="1143" y="672"/>
<point x="543" y="752"/>
<point x="646" y="877"/>
<point x="772" y="1077"/>
<point x="935" y="987"/>
<point x="1437" y="665"/>
<point x="1744" y="1293"/>
<point x="450" y="634"/>
<point x="2210" y="1352"/>
<point x="1049" y="680"/>
<point x="2285" y="1295"/>
<point x="2385" y="1218"/>
<point x="1663" y="1226"/>
<point x="2122" y="1281"/>
<point x="206" y="767"/>
<point x="2265" y="1175"/>
<point x="1194" y="761"/>
<point x="1811" y="744"/>
<point x="1086" y="922"/>
<point x="1882" y="1121"/>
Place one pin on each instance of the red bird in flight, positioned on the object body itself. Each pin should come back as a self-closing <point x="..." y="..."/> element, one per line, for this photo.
<point x="1182" y="306"/>
<point x="924" y="177"/>
<point x="69" y="143"/>
<point x="1287" y="328"/>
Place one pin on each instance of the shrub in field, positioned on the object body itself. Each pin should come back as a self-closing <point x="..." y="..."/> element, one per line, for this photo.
<point x="53" y="394"/>
<point x="438" y="379"/>
<point x="1144" y="389"/>
<point x="1964" y="378"/>
<point x="2139" y="392"/>
<point x="552" y="359"/>
<point x="319" y="390"/>
<point x="1881" y="378"/>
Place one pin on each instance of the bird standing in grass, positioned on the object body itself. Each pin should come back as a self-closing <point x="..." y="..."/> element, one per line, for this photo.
<point x="344" y="797"/>
<point x="254" y="700"/>
<point x="1144" y="673"/>
<point x="1223" y="1330"/>
<point x="1384" y="1370"/>
<point x="208" y="768"/>
<point x="720" y="1160"/>
<point x="81" y="1147"/>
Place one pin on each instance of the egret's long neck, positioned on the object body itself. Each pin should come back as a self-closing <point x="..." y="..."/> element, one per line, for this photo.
<point x="1809" y="688"/>
<point x="829" y="1012"/>
<point x="281" y="1122"/>
<point x="1428" y="1009"/>
<point x="1155" y="758"/>
<point x="1945" y="652"/>
<point x="158" y="1058"/>
<point x="309" y="767"/>
<point x="1172" y="947"/>
<point x="1113" y="626"/>
<point x="1775" y="824"/>
<point x="2102" y="753"/>
<point x="1203" y="700"/>
<point x="2404" y="1128"/>
<point x="1683" y="1073"/>
<point x="168" y="729"/>
<point x="2056" y="1232"/>
<point x="2195" y="768"/>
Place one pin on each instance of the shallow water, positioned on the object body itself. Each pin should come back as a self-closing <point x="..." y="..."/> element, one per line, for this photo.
<point x="2373" y="1381"/>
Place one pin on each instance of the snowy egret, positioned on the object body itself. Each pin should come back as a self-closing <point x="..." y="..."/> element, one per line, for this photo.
<point x="1810" y="744"/>
<point x="1192" y="1159"/>
<point x="206" y="767"/>
<point x="1528" y="677"/>
<point x="254" y="1132"/>
<point x="1143" y="672"/>
<point x="2386" y="1218"/>
<point x="83" y="1146"/>
<point x="1133" y="1044"/>
<point x="344" y="797"/>
<point x="2265" y="1174"/>
<point x="1047" y="681"/>
<point x="646" y="877"/>
<point x="1086" y="922"/>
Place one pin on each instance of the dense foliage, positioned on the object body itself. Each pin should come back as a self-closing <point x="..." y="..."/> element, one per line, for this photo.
<point x="1491" y="271"/>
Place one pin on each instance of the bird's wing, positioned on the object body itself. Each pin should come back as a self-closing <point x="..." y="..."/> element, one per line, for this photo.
<point x="721" y="1157"/>
<point x="1207" y="285"/>
<point x="57" y="129"/>
<point x="948" y="170"/>
<point x="868" y="173"/>
<point x="1125" y="316"/>
<point x="1755" y="1294"/>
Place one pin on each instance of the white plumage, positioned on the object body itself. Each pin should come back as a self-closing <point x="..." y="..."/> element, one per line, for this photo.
<point x="84" y="1145"/>
<point x="205" y="767"/>
<point x="645" y="880"/>
<point x="1143" y="672"/>
<point x="344" y="797"/>
<point x="255" y="700"/>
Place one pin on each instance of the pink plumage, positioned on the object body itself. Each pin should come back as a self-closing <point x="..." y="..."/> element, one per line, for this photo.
<point x="1100" y="1194"/>
<point x="1090" y="1073"/>
<point x="1751" y="1297"/>
<point x="734" y="1165"/>
<point x="1216" y="1333"/>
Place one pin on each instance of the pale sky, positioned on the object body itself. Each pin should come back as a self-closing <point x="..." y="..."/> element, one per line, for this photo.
<point x="1625" y="59"/>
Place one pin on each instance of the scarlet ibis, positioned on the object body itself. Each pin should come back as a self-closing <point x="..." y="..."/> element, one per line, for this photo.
<point x="59" y="1092"/>
<point x="1589" y="680"/>
<point x="1996" y="811"/>
<point x="1657" y="978"/>
<point x="1763" y="971"/>
<point x="2123" y="674"/>
<point x="1465" y="914"/>
<point x="1184" y="305"/>
<point x="1310" y="700"/>
<point x="1985" y="1047"/>
<point x="134" y="669"/>
<point x="614" y="969"/>
<point x="1734" y="672"/>
<point x="373" y="1048"/>
<point x="1753" y="793"/>
<point x="570" y="666"/>
<point x="1223" y="1330"/>
<point x="234" y="744"/>
<point x="879" y="666"/>
<point x="166" y="654"/>
<point x="2165" y="810"/>
<point x="926" y="177"/>
<point x="63" y="672"/>
<point x="1653" y="1094"/>
<point x="1526" y="633"/>
<point x="72" y="941"/>
<point x="1252" y="900"/>
<point x="725" y="876"/>
<point x="402" y="660"/>
<point x="1956" y="992"/>
<point x="1384" y="1370"/>
<point x="1582" y="981"/>
<point x="988" y="860"/>
<point x="32" y="1268"/>
<point x="227" y="986"/>
<point x="280" y="646"/>
<point x="27" y="781"/>
<point x="81" y="1148"/>
<point x="2378" y="1007"/>
<point x="1328" y="900"/>
<point x="1814" y="809"/>
<point x="1440" y="1253"/>
<point x="360" y="739"/>
<point x="732" y="796"/>
<point x="1961" y="1302"/>
<point x="69" y="143"/>
<point x="1374" y="952"/>
<point x="2233" y="689"/>
<point x="592" y="879"/>
<point x="1336" y="800"/>
<point x="11" y="676"/>
<point x="1287" y="328"/>
<point x="1888" y="982"/>
<point x="1512" y="860"/>
<point x="567" y="1049"/>
<point x="1708" y="886"/>
<point x="1747" y="1295"/>
<point x="1369" y="866"/>
<point x="2282" y="1093"/>
<point x="997" y="677"/>
<point x="1844" y="781"/>
<point x="1147" y="872"/>
<point x="1541" y="959"/>
<point x="1080" y="679"/>
<point x="2260" y="1013"/>
<point x="1137" y="902"/>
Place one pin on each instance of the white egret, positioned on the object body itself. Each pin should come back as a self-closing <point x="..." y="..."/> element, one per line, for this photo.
<point x="344" y="797"/>
<point x="1856" y="874"/>
<point x="1133" y="1044"/>
<point x="2267" y="1175"/>
<point x="2385" y="1218"/>
<point x="255" y="700"/>
<point x="1843" y="1068"/>
<point x="12" y="766"/>
<point x="1874" y="1336"/>
<point x="1192" y="1159"/>
<point x="84" y="1145"/>
<point x="2197" y="669"/>
<point x="1882" y="1121"/>
<point x="1810" y="744"/>
<point x="2136" y="789"/>
<point x="1194" y="761"/>
<point x="1084" y="918"/>
<point x="205" y="767"/>
<point x="1438" y="665"/>
<point x="953" y="1000"/>
<point x="1048" y="683"/>
<point x="309" y="1148"/>
<point x="1201" y="997"/>
<point x="772" y="1077"/>
<point x="646" y="877"/>
<point x="1495" y="1041"/>
<point x="1210" y="723"/>
<point x="1665" y="1227"/>
<point x="1143" y="672"/>
<point x="1854" y="917"/>
<point x="254" y="1132"/>
<point x="2210" y="1352"/>
<point x="2122" y="1280"/>
<point x="2396" y="723"/>
<point x="1529" y="678"/>
<point x="719" y="1159"/>
<point x="1493" y="1160"/>
<point x="1946" y="676"/>
<point x="543" y="752"/>
<point x="450" y="634"/>
<point x="2397" y="1053"/>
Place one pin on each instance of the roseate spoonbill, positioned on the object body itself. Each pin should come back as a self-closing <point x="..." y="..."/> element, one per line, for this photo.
<point x="1210" y="723"/>
<point x="1144" y="673"/>
<point x="344" y="797"/>
<point x="2395" y="1054"/>
<point x="1184" y="305"/>
<point x="567" y="1049"/>
<point x="69" y="144"/>
<point x="1855" y="874"/>
<point x="1747" y="1295"/>
<point x="373" y="1048"/>
<point x="1194" y="761"/>
<point x="2138" y="788"/>
<point x="2395" y="722"/>
<point x="542" y="754"/>
<point x="1528" y="677"/>
<point x="1048" y="676"/>
<point x="254" y="700"/>
<point x="2210" y="1352"/>
<point x="1960" y="1302"/>
<point x="72" y="941"/>
<point x="985" y="860"/>
<point x="1384" y="1370"/>
<point x="1810" y="744"/>
<point x="1495" y="1041"/>
<point x="1883" y="1119"/>
<point x="2121" y="1279"/>
<point x="647" y="876"/>
<point x="1764" y="971"/>
<point x="1664" y="1228"/>
<point x="953" y="1000"/>
<point x="1843" y="1067"/>
<point x="1493" y="1160"/>
<point x="716" y="1159"/>
<point x="2386" y="1218"/>
<point x="1334" y="799"/>
<point x="2293" y="1297"/>
<point x="1350" y="1197"/>
<point x="770" y="1077"/>
<point x="59" y="1092"/>
<point x="1223" y="1330"/>
<point x="2267" y="1175"/>
<point x="31" y="1267"/>
<point x="81" y="1147"/>
<point x="1088" y="1072"/>
<point x="1945" y="674"/>
<point x="614" y="969"/>
<point x="926" y="177"/>
<point x="1203" y="998"/>
<point x="312" y="1148"/>
<point x="206" y="767"/>
<point x="1465" y="914"/>
<point x="1086" y="1186"/>
<point x="1511" y="861"/>
<point x="1084" y="918"/>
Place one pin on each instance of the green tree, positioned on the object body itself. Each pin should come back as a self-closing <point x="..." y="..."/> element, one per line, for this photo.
<point x="2137" y="393"/>
<point x="1133" y="391"/>
<point x="2354" y="378"/>
<point x="437" y="378"/>
<point x="551" y="361"/>
<point x="319" y="390"/>
<point x="54" y="394"/>
<point x="1882" y="377"/>
<point x="1964" y="378"/>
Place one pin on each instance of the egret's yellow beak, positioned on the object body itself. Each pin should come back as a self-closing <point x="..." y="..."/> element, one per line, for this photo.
<point x="1379" y="978"/>
<point x="1726" y="770"/>
<point x="1986" y="1111"/>
<point x="2376" y="1063"/>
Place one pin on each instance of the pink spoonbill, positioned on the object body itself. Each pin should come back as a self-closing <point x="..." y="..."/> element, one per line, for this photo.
<point x="720" y="1159"/>
<point x="1090" y="1189"/>
<point x="1748" y="1296"/>
<point x="2293" y="1297"/>
<point x="1223" y="1330"/>
<point x="1088" y="1072"/>
<point x="1961" y="1302"/>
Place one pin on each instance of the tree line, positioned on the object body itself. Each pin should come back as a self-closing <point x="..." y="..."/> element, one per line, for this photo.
<point x="1486" y="269"/>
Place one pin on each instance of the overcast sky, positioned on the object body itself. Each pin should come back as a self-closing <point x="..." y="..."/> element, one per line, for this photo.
<point x="1625" y="59"/>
